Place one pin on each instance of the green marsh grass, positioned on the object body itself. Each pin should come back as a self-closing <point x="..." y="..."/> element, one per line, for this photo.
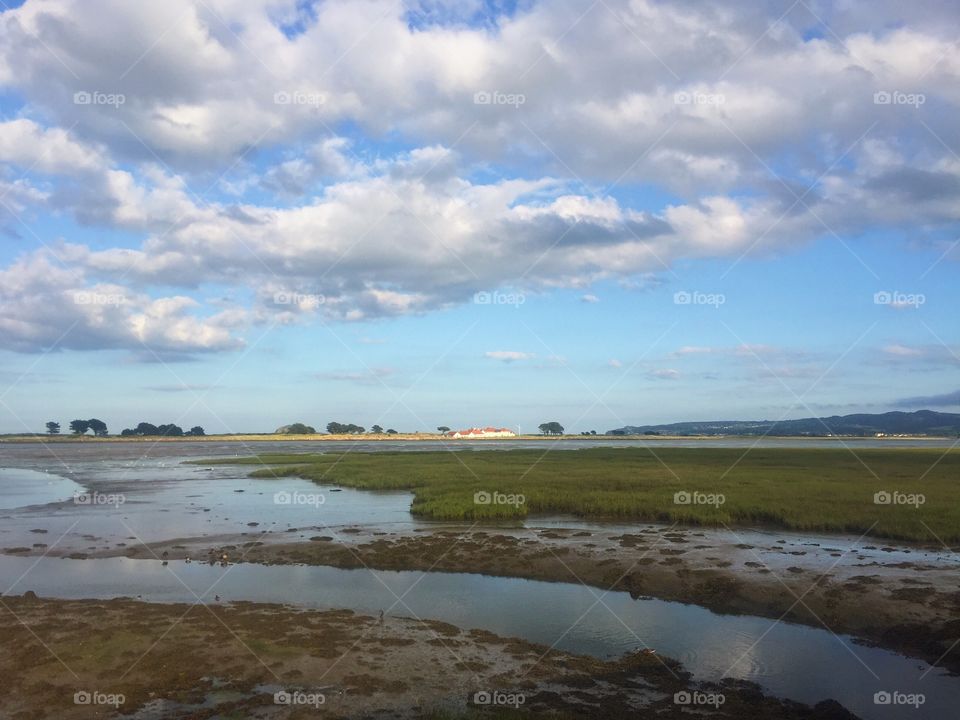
<point x="809" y="489"/>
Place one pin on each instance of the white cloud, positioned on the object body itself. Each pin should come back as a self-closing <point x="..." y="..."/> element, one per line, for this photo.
<point x="665" y="374"/>
<point x="218" y="96"/>
<point x="508" y="356"/>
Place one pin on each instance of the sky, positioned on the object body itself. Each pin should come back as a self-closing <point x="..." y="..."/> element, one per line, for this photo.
<point x="245" y="213"/>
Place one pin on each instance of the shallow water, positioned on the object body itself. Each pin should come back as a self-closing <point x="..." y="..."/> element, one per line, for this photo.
<point x="793" y="661"/>
<point x="23" y="488"/>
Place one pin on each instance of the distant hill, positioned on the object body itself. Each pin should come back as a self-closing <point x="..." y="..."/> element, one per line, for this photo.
<point x="921" y="422"/>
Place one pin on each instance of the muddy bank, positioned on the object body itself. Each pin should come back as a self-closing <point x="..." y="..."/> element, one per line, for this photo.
<point x="911" y="606"/>
<point x="201" y="661"/>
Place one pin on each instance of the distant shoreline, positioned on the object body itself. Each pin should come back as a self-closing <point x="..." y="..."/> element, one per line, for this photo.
<point x="426" y="437"/>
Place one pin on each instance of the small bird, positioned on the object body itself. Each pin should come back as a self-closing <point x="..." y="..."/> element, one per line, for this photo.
<point x="216" y="598"/>
<point x="381" y="617"/>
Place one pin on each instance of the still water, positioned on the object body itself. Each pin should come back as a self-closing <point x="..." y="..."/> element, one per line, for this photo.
<point x="793" y="661"/>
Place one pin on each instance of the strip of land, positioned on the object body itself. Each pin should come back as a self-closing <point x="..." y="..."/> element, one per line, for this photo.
<point x="903" y="494"/>
<point x="205" y="661"/>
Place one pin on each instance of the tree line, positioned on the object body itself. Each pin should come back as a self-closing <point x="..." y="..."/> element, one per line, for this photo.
<point x="99" y="428"/>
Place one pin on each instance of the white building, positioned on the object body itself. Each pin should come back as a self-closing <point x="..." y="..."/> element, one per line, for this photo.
<point x="487" y="432"/>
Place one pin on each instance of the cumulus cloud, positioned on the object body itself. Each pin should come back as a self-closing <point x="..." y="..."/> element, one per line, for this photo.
<point x="205" y="137"/>
<point x="508" y="356"/>
<point x="46" y="306"/>
<point x="665" y="374"/>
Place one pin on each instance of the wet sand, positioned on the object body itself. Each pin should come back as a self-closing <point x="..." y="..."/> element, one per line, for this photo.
<point x="202" y="661"/>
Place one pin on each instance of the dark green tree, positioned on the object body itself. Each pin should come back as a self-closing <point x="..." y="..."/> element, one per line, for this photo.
<point x="298" y="428"/>
<point x="99" y="427"/>
<point x="376" y="430"/>
<point x="391" y="431"/>
<point x="443" y="429"/>
<point x="551" y="428"/>
<point x="53" y="428"/>
<point x="197" y="430"/>
<point x="79" y="427"/>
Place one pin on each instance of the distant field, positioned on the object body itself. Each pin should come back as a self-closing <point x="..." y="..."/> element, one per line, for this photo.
<point x="799" y="488"/>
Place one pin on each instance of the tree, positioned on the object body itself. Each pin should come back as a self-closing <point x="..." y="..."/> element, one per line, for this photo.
<point x="79" y="427"/>
<point x="53" y="428"/>
<point x="336" y="428"/>
<point x="146" y="428"/>
<point x="376" y="430"/>
<point x="296" y="428"/>
<point x="443" y="429"/>
<point x="99" y="427"/>
<point x="551" y="428"/>
<point x="197" y="430"/>
<point x="170" y="430"/>
<point x="391" y="431"/>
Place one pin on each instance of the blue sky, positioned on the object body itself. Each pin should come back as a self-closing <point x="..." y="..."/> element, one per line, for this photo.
<point x="459" y="213"/>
